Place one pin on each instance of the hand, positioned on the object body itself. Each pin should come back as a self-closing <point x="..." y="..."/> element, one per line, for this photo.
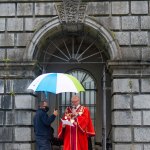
<point x="55" y="112"/>
<point x="63" y="125"/>
<point x="75" y="123"/>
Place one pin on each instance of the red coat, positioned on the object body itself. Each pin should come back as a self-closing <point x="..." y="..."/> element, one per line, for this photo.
<point x="76" y="138"/>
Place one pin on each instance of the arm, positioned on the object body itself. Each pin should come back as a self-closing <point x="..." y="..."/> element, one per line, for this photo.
<point x="46" y="119"/>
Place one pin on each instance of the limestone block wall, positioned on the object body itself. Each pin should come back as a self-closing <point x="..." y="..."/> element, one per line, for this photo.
<point x="129" y="23"/>
<point x="17" y="107"/>
<point x="18" y="22"/>
<point x="130" y="108"/>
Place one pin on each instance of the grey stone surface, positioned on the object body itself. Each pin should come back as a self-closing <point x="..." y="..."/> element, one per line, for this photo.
<point x="139" y="7"/>
<point x="128" y="146"/>
<point x="1" y="146"/>
<point x="145" y="53"/>
<point x="120" y="8"/>
<point x="1" y="86"/>
<point x="121" y="134"/>
<point x="123" y="85"/>
<point x="6" y="134"/>
<point x="26" y="39"/>
<point x="145" y="84"/>
<point x="17" y="85"/>
<point x="45" y="9"/>
<point x="1" y="117"/>
<point x="146" y="146"/>
<point x="6" y="101"/>
<point x="126" y="118"/>
<point x="110" y="22"/>
<point x="24" y="102"/>
<point x="145" y="22"/>
<point x="15" y="24"/>
<point x="18" y="146"/>
<point x="7" y="9"/>
<point x="130" y="22"/>
<point x="123" y="38"/>
<point x="21" y="85"/>
<point x="146" y="116"/>
<point x="2" y="56"/>
<point x="95" y="8"/>
<point x="139" y="38"/>
<point x="9" y="118"/>
<point x="145" y="71"/>
<point x="131" y="72"/>
<point x="24" y="9"/>
<point x="22" y="134"/>
<point x="121" y="102"/>
<point x="141" y="102"/>
<point x="23" y="118"/>
<point x="2" y="24"/>
<point x="32" y="24"/>
<point x="7" y="39"/>
<point x="15" y="54"/>
<point x="142" y="134"/>
<point x="131" y="53"/>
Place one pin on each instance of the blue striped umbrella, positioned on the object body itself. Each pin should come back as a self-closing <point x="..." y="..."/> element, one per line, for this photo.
<point x="56" y="83"/>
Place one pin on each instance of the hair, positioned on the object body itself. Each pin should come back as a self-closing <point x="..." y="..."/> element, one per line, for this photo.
<point x="42" y="103"/>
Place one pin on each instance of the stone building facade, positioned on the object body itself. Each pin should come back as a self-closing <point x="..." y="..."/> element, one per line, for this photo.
<point x="123" y="31"/>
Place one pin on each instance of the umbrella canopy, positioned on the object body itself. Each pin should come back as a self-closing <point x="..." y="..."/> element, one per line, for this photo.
<point x="56" y="83"/>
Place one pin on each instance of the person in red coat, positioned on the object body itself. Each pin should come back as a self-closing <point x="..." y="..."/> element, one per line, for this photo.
<point x="76" y="137"/>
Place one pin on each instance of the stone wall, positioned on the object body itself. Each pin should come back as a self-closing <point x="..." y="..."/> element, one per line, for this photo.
<point x="130" y="106"/>
<point x="16" y="107"/>
<point x="129" y="23"/>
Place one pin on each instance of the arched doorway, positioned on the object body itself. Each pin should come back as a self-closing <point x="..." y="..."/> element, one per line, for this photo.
<point x="60" y="51"/>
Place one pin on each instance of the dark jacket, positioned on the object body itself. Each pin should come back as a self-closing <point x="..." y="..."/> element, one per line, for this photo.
<point x="42" y="124"/>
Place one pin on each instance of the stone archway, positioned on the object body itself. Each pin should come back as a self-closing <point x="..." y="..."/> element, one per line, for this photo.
<point x="54" y="26"/>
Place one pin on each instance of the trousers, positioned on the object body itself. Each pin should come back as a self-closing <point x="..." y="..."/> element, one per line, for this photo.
<point x="43" y="144"/>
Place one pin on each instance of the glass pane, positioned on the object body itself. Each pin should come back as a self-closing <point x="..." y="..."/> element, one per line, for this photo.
<point x="81" y="98"/>
<point x="68" y="98"/>
<point x="87" y="97"/>
<point x="62" y="101"/>
<point x="92" y="111"/>
<point x="92" y="97"/>
<point x="92" y="85"/>
<point x="62" y="110"/>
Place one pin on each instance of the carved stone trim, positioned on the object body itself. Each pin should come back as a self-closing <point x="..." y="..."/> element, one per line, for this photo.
<point x="71" y="11"/>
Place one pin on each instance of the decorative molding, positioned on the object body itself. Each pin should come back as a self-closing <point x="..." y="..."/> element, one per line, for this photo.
<point x="71" y="11"/>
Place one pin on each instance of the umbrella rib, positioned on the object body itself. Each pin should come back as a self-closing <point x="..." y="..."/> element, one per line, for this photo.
<point x="56" y="56"/>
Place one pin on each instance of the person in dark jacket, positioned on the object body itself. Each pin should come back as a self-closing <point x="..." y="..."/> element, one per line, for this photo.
<point x="42" y="124"/>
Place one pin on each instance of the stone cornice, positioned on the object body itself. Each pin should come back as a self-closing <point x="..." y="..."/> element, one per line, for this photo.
<point x="9" y="65"/>
<point x="128" y="64"/>
<point x="130" y="69"/>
